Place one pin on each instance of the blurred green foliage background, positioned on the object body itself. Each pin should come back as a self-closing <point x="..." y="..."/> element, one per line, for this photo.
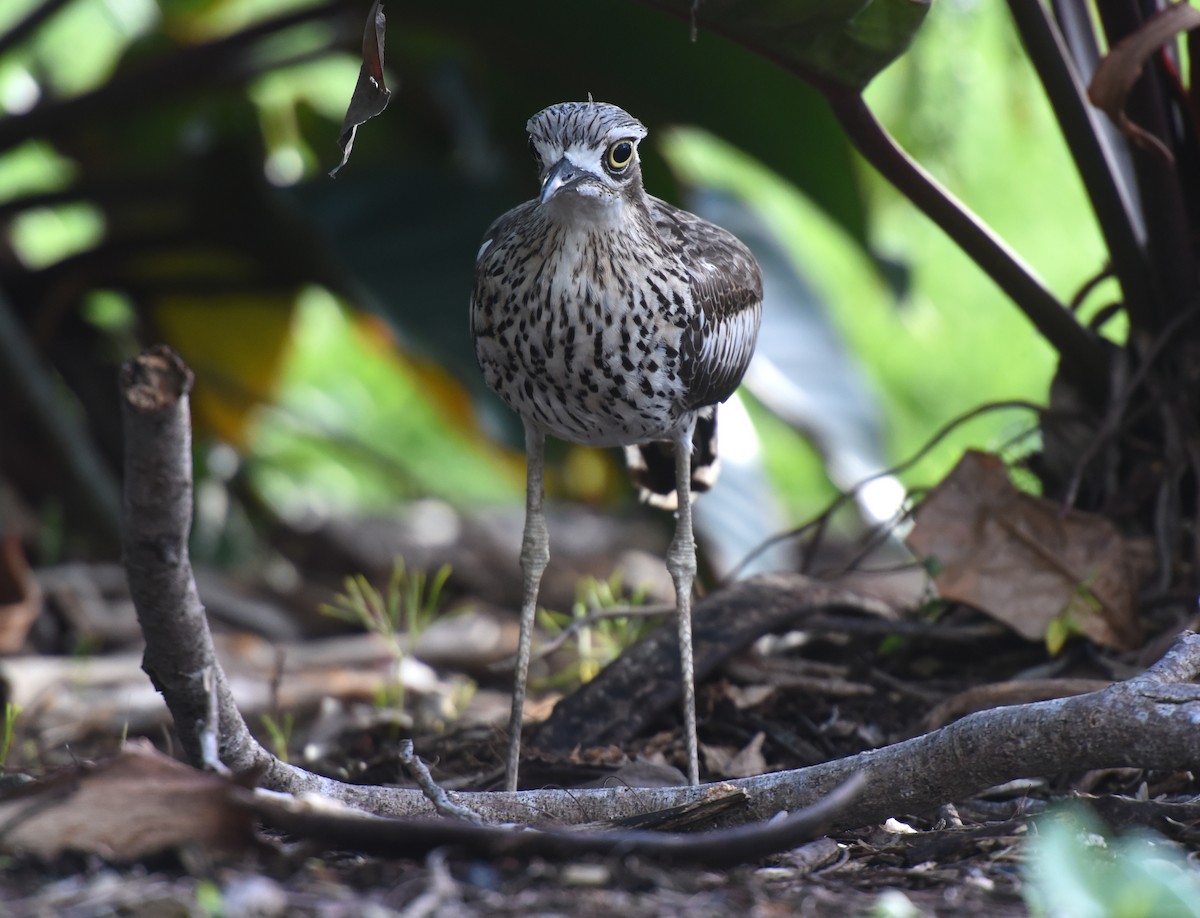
<point x="190" y="203"/>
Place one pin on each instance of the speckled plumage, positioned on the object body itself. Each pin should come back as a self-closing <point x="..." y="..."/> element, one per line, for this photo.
<point x="604" y="316"/>
<point x="610" y="329"/>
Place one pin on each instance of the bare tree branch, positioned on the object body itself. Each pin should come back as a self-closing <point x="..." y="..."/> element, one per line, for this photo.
<point x="723" y="848"/>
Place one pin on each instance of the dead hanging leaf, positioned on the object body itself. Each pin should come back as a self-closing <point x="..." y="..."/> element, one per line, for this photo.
<point x="20" y="596"/>
<point x="135" y="804"/>
<point x="1022" y="560"/>
<point x="370" y="96"/>
<point x="1122" y="66"/>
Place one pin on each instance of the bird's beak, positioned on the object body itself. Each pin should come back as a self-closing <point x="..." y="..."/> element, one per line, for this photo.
<point x="561" y="175"/>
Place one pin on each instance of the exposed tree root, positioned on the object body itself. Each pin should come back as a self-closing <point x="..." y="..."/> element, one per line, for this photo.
<point x="1147" y="722"/>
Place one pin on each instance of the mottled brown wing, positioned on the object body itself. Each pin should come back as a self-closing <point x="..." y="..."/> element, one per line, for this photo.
<point x="489" y="270"/>
<point x="726" y="286"/>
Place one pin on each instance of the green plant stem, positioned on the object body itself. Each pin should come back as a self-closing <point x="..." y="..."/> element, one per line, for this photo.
<point x="1082" y="355"/>
<point x="11" y="713"/>
<point x="1095" y="159"/>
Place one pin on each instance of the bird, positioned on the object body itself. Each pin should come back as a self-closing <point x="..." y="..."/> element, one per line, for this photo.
<point x="607" y="317"/>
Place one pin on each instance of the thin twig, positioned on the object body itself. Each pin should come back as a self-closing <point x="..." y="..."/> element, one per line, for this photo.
<point x="845" y="497"/>
<point x="1116" y="413"/>
<point x="877" y="536"/>
<point x="1081" y="295"/>
<point x="433" y="791"/>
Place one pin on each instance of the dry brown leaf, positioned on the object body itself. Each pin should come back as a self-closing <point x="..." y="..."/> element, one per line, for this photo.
<point x="717" y="758"/>
<point x="1023" y="561"/>
<point x="20" y="596"/>
<point x="371" y="94"/>
<point x="598" y="755"/>
<point x="643" y="773"/>
<point x="998" y="694"/>
<point x="729" y="762"/>
<point x="750" y="760"/>
<point x="745" y="697"/>
<point x="135" y="804"/>
<point x="1121" y="67"/>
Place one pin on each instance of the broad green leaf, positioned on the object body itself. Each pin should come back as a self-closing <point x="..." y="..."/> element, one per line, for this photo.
<point x="836" y="44"/>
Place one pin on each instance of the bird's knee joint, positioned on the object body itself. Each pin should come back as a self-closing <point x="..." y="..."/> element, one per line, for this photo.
<point x="682" y="558"/>
<point x="535" y="557"/>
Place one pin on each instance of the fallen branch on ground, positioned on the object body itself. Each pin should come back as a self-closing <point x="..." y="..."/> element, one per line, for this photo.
<point x="638" y="687"/>
<point x="1146" y="722"/>
<point x="723" y="847"/>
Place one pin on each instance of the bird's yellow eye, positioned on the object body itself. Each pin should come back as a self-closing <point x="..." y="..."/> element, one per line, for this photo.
<point x="619" y="155"/>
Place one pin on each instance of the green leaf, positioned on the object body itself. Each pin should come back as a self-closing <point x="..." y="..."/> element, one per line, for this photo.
<point x="1072" y="868"/>
<point x="836" y="44"/>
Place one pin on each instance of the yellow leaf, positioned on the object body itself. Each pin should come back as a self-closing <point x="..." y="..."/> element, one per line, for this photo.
<point x="236" y="346"/>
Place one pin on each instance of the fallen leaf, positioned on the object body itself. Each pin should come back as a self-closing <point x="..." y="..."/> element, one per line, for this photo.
<point x="749" y="761"/>
<point x="730" y="763"/>
<point x="1023" y="561"/>
<point x="598" y="755"/>
<point x="997" y="694"/>
<point x="137" y="803"/>
<point x="717" y="758"/>
<point x="642" y="773"/>
<point x="1121" y="67"/>
<point x="745" y="697"/>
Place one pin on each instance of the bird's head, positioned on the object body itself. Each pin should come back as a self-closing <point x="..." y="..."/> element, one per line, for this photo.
<point x="587" y="156"/>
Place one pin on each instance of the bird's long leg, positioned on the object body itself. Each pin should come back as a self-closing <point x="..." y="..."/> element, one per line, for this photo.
<point x="681" y="563"/>
<point x="535" y="553"/>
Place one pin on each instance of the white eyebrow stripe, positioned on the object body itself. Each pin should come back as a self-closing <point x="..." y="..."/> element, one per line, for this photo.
<point x="582" y="157"/>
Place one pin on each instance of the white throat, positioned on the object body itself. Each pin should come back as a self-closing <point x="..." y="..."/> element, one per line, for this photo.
<point x="581" y="212"/>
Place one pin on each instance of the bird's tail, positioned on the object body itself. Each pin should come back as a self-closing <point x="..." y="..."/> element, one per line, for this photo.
<point x="652" y="465"/>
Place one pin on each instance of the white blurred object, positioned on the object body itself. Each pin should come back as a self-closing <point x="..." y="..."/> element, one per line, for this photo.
<point x="803" y="373"/>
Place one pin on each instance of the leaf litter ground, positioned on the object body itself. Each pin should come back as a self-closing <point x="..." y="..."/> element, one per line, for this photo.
<point x="785" y="706"/>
